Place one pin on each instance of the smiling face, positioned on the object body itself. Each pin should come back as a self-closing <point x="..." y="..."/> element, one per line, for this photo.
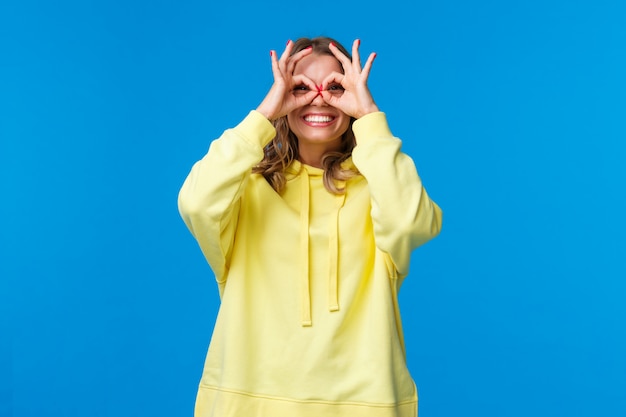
<point x="318" y="126"/>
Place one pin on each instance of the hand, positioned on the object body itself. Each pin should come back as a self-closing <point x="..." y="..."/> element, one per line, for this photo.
<point x="356" y="99"/>
<point x="281" y="99"/>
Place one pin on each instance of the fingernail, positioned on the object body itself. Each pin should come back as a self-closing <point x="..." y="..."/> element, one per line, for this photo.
<point x="358" y="42"/>
<point x="333" y="44"/>
<point x="288" y="41"/>
<point x="271" y="53"/>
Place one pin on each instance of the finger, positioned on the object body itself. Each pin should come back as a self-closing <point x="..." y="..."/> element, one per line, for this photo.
<point x="305" y="99"/>
<point x="293" y="60"/>
<point x="368" y="65"/>
<point x="285" y="56"/>
<point x="302" y="79"/>
<point x="356" y="59"/>
<point x="304" y="52"/>
<point x="331" y="100"/>
<point x="287" y="51"/>
<point x="327" y="97"/>
<point x="275" y="67"/>
<point x="333" y="78"/>
<point x="344" y="60"/>
<point x="299" y="100"/>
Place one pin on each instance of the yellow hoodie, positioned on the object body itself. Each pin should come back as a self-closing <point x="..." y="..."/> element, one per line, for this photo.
<point x="309" y="324"/>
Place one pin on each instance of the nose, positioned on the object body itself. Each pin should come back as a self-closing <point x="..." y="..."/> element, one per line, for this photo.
<point x="318" y="100"/>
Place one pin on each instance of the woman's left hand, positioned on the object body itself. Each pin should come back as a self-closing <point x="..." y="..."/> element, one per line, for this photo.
<point x="348" y="91"/>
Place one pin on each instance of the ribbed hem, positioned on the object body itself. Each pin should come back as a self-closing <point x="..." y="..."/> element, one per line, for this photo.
<point x="216" y="402"/>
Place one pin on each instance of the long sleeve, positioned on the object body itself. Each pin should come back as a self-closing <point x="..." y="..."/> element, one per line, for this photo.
<point x="404" y="216"/>
<point x="209" y="199"/>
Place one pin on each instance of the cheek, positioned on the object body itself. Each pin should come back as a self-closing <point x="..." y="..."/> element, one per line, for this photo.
<point x="291" y="119"/>
<point x="345" y="124"/>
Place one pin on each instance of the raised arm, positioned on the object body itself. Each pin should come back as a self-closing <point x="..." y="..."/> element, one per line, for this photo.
<point x="209" y="198"/>
<point x="404" y="216"/>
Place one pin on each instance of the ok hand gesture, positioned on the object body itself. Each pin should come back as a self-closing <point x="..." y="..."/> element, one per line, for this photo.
<point x="281" y="99"/>
<point x="356" y="99"/>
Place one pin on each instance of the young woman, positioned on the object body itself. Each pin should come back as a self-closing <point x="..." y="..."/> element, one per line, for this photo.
<point x="307" y="213"/>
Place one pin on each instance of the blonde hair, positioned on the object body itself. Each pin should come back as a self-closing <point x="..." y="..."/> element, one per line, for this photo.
<point x="283" y="149"/>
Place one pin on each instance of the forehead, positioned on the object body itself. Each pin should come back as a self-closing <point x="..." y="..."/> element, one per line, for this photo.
<point x="314" y="66"/>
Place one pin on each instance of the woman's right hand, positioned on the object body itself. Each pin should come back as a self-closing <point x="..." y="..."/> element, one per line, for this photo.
<point x="285" y="95"/>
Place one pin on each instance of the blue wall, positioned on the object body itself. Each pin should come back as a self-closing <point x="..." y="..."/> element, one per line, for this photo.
<point x="513" y="111"/>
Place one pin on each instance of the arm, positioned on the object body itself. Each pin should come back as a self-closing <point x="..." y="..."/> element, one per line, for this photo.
<point x="404" y="216"/>
<point x="209" y="198"/>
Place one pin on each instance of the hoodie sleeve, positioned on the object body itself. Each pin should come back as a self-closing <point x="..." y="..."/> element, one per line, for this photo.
<point x="404" y="216"/>
<point x="209" y="198"/>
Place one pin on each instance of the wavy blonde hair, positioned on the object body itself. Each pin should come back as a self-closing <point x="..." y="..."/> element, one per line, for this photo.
<point x="283" y="149"/>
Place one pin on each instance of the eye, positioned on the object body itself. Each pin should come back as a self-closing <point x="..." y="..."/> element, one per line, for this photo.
<point x="300" y="89"/>
<point x="335" y="89"/>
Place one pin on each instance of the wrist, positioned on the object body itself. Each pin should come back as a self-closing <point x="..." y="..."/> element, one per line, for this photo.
<point x="267" y="116"/>
<point x="373" y="108"/>
<point x="265" y="112"/>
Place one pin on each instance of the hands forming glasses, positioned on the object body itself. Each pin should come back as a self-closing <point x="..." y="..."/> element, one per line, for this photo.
<point x="345" y="91"/>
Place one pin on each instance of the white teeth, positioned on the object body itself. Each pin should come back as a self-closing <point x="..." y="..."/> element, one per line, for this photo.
<point x="318" y="119"/>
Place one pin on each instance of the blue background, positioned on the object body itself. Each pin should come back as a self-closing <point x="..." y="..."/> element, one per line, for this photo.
<point x="513" y="111"/>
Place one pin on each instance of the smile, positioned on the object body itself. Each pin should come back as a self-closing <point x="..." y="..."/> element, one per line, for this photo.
<point x="317" y="118"/>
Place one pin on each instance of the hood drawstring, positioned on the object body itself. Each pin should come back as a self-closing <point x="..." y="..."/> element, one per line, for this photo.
<point x="333" y="254"/>
<point x="333" y="250"/>
<point x="304" y="248"/>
